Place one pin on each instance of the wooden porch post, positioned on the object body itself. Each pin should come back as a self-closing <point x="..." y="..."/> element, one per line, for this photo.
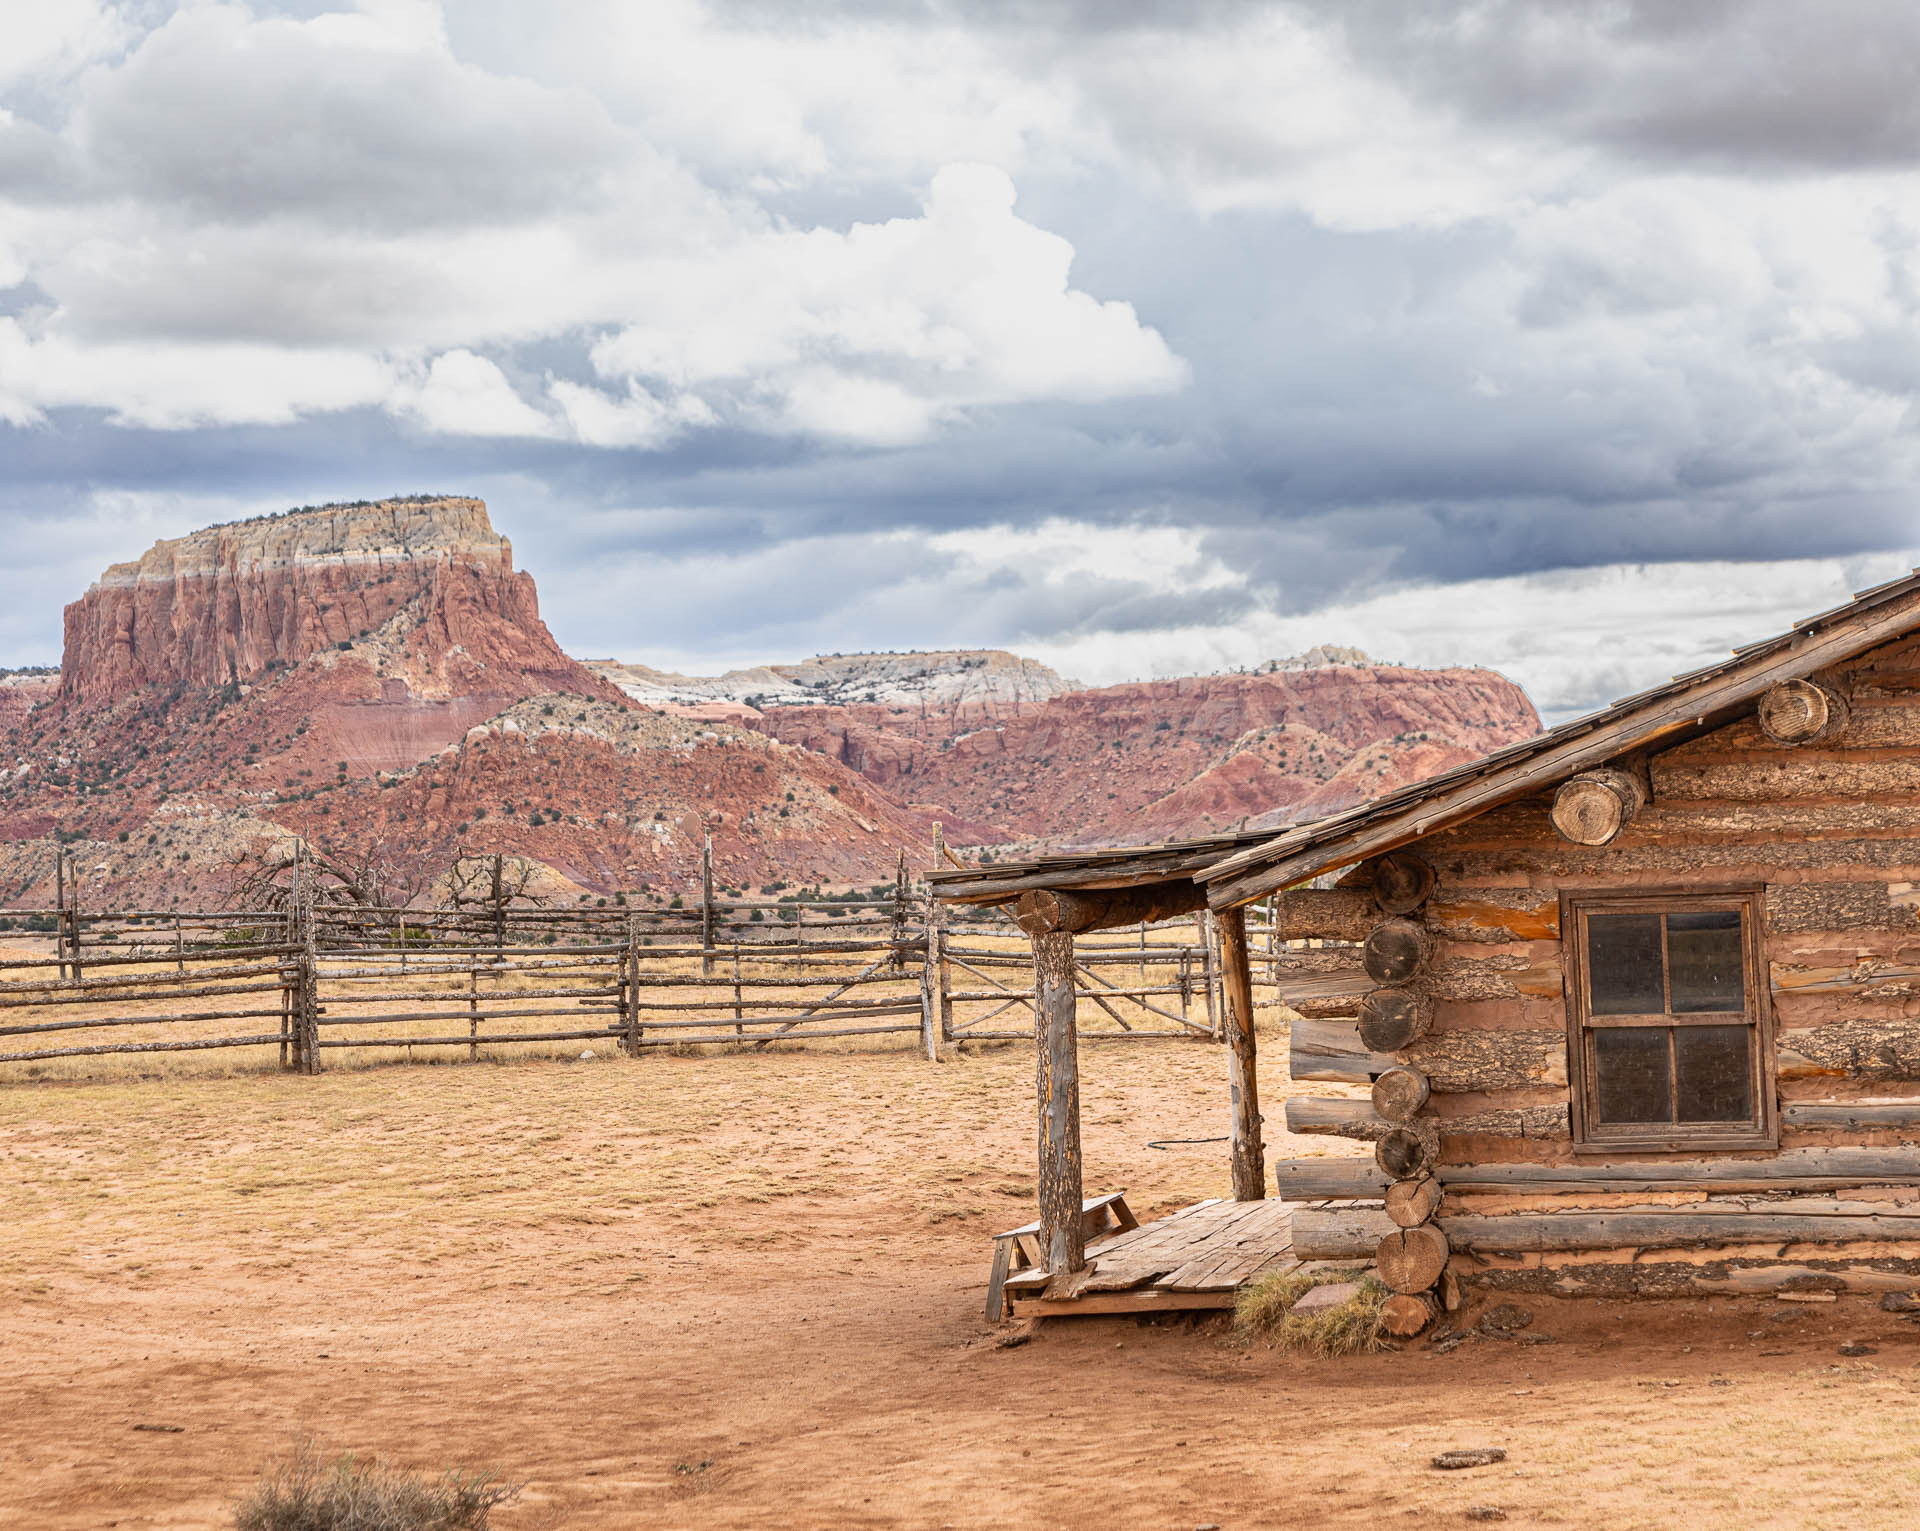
<point x="1061" y="1233"/>
<point x="1243" y="1086"/>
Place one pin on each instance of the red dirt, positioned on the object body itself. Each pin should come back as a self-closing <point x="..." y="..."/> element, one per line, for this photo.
<point x="745" y="1291"/>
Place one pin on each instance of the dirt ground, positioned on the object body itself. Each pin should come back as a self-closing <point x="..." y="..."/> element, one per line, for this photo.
<point x="746" y="1291"/>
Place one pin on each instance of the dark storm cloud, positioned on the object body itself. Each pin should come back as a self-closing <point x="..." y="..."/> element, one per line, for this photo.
<point x="1566" y="367"/>
<point x="1749" y="85"/>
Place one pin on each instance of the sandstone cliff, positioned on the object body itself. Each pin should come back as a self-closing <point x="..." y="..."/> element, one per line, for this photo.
<point x="1179" y="757"/>
<point x="236" y="602"/>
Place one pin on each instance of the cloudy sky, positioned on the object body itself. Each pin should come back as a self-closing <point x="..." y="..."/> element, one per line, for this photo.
<point x="1579" y="340"/>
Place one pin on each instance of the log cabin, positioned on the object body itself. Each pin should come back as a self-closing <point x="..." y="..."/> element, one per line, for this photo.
<point x="1634" y="1004"/>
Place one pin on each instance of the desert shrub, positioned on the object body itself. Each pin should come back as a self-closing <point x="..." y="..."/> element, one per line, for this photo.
<point x="306" y="1492"/>
<point x="1266" y="1308"/>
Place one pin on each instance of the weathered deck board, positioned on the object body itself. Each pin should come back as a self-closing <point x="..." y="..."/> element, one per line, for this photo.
<point x="1197" y="1257"/>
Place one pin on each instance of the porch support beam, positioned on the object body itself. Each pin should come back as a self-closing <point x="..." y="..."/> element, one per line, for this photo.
<point x="1057" y="1047"/>
<point x="1243" y="1084"/>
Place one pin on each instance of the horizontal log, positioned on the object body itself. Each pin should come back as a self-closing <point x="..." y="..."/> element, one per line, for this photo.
<point x="1798" y="1169"/>
<point x="1357" y="1119"/>
<point x="1506" y="975"/>
<point x="182" y="1018"/>
<point x="490" y="993"/>
<point x="1462" y="1061"/>
<point x="1767" y="859"/>
<point x="1864" y="1050"/>
<point x="1524" y="1232"/>
<point x="1500" y="914"/>
<point x="41" y="999"/>
<point x="202" y="1044"/>
<point x="1338" y="1233"/>
<point x="1342" y="1118"/>
<point x="1454" y="1061"/>
<point x="1331" y="1050"/>
<point x="484" y="1014"/>
<point x="1875" y="1267"/>
<point x="821" y="1012"/>
<point x="1762" y="780"/>
<point x="1043" y="910"/>
<point x="729" y="1039"/>
<point x="1850" y="1116"/>
<point x="481" y="1039"/>
<point x="1836" y="906"/>
<point x="168" y="959"/>
<point x="1332" y="914"/>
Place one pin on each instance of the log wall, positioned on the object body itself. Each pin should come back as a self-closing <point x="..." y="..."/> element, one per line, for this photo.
<point x="1830" y="830"/>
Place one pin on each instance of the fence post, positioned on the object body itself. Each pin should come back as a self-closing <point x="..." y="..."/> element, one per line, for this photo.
<point x="898" y="932"/>
<point x="73" y="894"/>
<point x="291" y="991"/>
<point x="1207" y="971"/>
<point x="60" y="911"/>
<point x="473" y="1006"/>
<point x="309" y="990"/>
<point x="932" y="996"/>
<point x="706" y="909"/>
<point x="633" y="986"/>
<point x="499" y="915"/>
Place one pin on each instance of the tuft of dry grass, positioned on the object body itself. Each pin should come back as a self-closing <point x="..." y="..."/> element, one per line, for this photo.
<point x="1351" y="1328"/>
<point x="304" y="1491"/>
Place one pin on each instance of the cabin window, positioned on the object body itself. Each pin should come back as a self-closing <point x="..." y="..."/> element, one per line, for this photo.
<point x="1668" y="1025"/>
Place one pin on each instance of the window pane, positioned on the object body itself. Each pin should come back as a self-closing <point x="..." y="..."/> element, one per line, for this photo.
<point x="1713" y="1080"/>
<point x="1631" y="1081"/>
<point x="1704" y="969"/>
<point x="1623" y="964"/>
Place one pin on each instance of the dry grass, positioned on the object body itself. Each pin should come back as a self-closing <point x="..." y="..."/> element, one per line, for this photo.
<point x="1352" y="1328"/>
<point x="304" y="1491"/>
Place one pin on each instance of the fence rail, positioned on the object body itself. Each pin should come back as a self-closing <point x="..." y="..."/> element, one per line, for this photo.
<point x="310" y="979"/>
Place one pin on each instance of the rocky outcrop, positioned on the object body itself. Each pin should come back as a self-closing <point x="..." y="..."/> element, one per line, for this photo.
<point x="946" y="678"/>
<point x="234" y="603"/>
<point x="614" y="797"/>
<point x="1178" y="757"/>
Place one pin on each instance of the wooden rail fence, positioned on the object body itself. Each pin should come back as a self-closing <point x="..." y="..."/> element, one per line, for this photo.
<point x="311" y="981"/>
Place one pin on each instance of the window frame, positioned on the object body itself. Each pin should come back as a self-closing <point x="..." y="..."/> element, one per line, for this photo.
<point x="1590" y="1136"/>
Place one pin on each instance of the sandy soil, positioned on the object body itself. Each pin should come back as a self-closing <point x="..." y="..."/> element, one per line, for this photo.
<point x="746" y="1291"/>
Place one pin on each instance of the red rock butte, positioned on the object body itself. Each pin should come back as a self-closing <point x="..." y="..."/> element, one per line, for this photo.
<point x="236" y="601"/>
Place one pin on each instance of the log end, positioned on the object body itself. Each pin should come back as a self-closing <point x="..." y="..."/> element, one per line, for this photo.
<point x="1800" y="711"/>
<point x="1402" y="881"/>
<point x="1406" y="1314"/>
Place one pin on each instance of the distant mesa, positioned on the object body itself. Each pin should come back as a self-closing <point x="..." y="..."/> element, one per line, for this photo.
<point x="959" y="678"/>
<point x="1320" y="657"/>
<point x="236" y="602"/>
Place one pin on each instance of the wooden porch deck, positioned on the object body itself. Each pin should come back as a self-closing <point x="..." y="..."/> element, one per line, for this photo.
<point x="1198" y="1257"/>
